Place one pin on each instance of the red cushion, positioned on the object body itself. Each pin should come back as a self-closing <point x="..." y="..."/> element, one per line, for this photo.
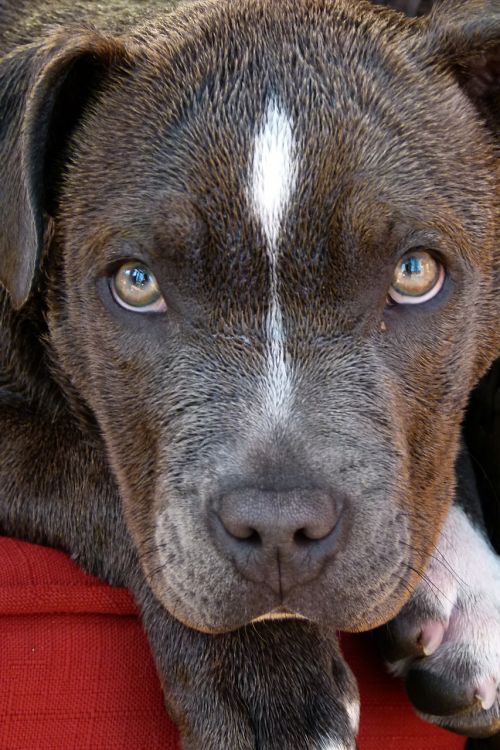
<point x="76" y="672"/>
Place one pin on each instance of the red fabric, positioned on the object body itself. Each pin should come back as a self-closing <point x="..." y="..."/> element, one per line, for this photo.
<point x="76" y="672"/>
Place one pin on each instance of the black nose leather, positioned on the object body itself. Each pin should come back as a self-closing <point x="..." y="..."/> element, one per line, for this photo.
<point x="283" y="538"/>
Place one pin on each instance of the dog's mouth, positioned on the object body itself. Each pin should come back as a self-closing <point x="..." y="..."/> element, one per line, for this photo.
<point x="279" y="613"/>
<point x="347" y="608"/>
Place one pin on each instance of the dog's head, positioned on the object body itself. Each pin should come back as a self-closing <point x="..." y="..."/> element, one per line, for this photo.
<point x="271" y="280"/>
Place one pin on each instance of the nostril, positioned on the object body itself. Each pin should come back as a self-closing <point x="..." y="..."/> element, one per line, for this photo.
<point x="248" y="535"/>
<point x="301" y="538"/>
<point x="307" y="536"/>
<point x="253" y="539"/>
<point x="241" y="532"/>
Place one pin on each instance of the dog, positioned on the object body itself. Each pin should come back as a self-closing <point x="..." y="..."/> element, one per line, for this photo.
<point x="250" y="271"/>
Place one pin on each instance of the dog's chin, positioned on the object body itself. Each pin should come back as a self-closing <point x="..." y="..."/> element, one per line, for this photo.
<point x="365" y="621"/>
<point x="231" y="621"/>
<point x="357" y="621"/>
<point x="277" y="615"/>
<point x="361" y="605"/>
<point x="340" y="611"/>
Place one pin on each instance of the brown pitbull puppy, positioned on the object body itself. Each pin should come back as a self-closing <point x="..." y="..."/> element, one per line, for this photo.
<point x="250" y="270"/>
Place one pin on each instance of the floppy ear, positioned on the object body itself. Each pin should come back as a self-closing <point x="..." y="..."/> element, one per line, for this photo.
<point x="464" y="36"/>
<point x="43" y="90"/>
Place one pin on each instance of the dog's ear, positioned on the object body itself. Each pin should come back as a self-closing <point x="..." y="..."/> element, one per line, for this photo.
<point x="464" y="36"/>
<point x="43" y="92"/>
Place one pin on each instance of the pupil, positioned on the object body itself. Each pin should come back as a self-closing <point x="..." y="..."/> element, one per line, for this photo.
<point x="412" y="265"/>
<point x="139" y="276"/>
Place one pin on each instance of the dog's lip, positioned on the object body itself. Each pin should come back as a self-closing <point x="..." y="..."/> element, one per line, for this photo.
<point x="279" y="613"/>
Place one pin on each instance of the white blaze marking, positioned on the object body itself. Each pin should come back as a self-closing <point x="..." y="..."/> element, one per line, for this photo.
<point x="274" y="174"/>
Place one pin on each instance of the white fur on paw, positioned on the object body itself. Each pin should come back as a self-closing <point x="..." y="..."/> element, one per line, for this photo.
<point x="336" y="745"/>
<point x="455" y="616"/>
<point x="352" y="710"/>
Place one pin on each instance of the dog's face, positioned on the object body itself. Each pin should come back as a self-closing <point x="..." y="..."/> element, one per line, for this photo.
<point x="272" y="284"/>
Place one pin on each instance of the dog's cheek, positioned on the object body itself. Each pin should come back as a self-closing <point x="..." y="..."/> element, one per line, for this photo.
<point x="421" y="358"/>
<point x="158" y="442"/>
<point x="106" y="388"/>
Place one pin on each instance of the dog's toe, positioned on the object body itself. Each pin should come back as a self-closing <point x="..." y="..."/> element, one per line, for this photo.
<point x="437" y="687"/>
<point x="457" y="684"/>
<point x="408" y="639"/>
<point x="458" y="687"/>
<point x="446" y="640"/>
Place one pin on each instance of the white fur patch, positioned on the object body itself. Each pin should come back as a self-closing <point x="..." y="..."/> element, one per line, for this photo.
<point x="463" y="562"/>
<point x="278" y="377"/>
<point x="335" y="745"/>
<point x="352" y="709"/>
<point x="274" y="173"/>
<point x="272" y="184"/>
<point x="462" y="586"/>
<point x="353" y="712"/>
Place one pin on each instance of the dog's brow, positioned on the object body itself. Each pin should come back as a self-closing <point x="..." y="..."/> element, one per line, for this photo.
<point x="178" y="227"/>
<point x="273" y="178"/>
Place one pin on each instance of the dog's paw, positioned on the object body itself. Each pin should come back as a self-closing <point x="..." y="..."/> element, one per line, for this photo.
<point x="276" y="685"/>
<point x="279" y="705"/>
<point x="446" y="640"/>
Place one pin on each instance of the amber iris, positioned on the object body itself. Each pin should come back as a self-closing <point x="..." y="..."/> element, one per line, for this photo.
<point x="417" y="278"/>
<point x="135" y="287"/>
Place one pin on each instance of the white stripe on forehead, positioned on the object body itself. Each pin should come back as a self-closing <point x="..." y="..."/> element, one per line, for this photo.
<point x="274" y="172"/>
<point x="273" y="179"/>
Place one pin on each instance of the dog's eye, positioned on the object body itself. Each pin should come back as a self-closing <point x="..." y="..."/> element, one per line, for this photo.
<point x="135" y="288"/>
<point x="418" y="277"/>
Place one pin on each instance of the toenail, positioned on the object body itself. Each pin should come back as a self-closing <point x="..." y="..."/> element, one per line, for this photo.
<point x="486" y="693"/>
<point x="431" y="636"/>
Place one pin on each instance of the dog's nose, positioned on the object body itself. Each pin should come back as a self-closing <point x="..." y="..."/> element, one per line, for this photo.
<point x="282" y="539"/>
